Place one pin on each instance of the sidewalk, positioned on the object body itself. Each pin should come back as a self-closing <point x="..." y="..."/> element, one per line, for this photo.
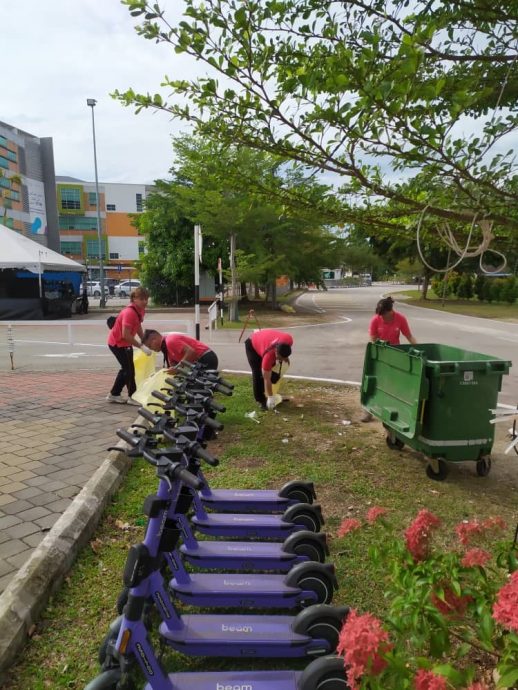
<point x="55" y="429"/>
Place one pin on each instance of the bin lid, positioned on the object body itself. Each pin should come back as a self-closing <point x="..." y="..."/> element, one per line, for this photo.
<point x="394" y="385"/>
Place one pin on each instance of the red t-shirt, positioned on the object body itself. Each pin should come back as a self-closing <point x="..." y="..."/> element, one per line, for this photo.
<point x="131" y="316"/>
<point x="264" y="343"/>
<point x="175" y="344"/>
<point x="389" y="330"/>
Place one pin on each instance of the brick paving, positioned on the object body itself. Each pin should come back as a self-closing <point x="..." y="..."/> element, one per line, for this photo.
<point x="55" y="428"/>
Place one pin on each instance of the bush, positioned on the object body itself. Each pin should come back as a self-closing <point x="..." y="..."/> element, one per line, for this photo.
<point x="480" y="282"/>
<point x="465" y="289"/>
<point x="446" y="609"/>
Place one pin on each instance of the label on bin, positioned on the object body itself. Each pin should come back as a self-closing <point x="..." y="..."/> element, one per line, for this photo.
<point x="469" y="379"/>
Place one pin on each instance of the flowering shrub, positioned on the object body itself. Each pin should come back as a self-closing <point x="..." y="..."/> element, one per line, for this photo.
<point x="452" y="617"/>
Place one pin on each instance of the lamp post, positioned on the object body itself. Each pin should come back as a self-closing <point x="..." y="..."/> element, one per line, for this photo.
<point x="91" y="102"/>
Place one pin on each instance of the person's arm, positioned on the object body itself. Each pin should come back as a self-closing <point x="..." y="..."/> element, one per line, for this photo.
<point x="405" y="329"/>
<point x="373" y="330"/>
<point x="128" y="336"/>
<point x="188" y="354"/>
<point x="267" y="378"/>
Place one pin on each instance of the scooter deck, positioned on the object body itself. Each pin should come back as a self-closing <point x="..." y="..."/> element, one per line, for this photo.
<point x="236" y="555"/>
<point x="239" y="636"/>
<point x="233" y="589"/>
<point x="221" y="680"/>
<point x="246" y="501"/>
<point x="246" y="526"/>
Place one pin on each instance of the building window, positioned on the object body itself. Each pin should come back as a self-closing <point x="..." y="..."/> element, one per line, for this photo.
<point x="77" y="223"/>
<point x="114" y="255"/>
<point x="4" y="163"/>
<point x="92" y="249"/>
<point x="70" y="198"/>
<point x="71" y="247"/>
<point x="141" y="248"/>
<point x="110" y="207"/>
<point x="9" y="222"/>
<point x="138" y="198"/>
<point x="92" y="199"/>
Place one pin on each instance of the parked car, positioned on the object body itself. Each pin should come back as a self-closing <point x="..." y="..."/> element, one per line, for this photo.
<point x="124" y="288"/>
<point x="93" y="289"/>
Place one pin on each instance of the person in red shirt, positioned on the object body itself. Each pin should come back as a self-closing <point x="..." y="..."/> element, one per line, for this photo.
<point x="178" y="347"/>
<point x="387" y="324"/>
<point x="263" y="349"/>
<point x="122" y="339"/>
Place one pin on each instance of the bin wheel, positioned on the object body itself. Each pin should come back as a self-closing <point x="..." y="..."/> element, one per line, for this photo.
<point x="394" y="443"/>
<point x="440" y="474"/>
<point x="484" y="466"/>
<point x="514" y="434"/>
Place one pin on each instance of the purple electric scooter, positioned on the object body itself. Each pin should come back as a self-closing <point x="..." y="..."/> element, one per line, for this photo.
<point x="312" y="632"/>
<point x="305" y="584"/>
<point x="230" y="500"/>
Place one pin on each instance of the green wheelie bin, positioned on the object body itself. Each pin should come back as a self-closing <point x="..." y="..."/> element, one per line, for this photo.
<point x="436" y="399"/>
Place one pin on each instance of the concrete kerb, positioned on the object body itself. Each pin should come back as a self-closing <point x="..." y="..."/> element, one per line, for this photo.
<point x="27" y="594"/>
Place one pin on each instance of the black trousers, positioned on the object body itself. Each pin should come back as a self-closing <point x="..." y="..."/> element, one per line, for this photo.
<point x="254" y="360"/>
<point x="126" y="374"/>
<point x="209" y="359"/>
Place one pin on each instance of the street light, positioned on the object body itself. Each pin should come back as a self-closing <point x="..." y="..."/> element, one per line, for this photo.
<point x="91" y="102"/>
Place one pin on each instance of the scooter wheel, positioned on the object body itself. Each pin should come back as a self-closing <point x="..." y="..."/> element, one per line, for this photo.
<point x="394" y="443"/>
<point x="319" y="583"/>
<point x="321" y="622"/>
<point x="326" y="673"/>
<point x="109" y="680"/>
<point x="299" y="492"/>
<point x="109" y="639"/>
<point x="313" y="550"/>
<point x="305" y="515"/>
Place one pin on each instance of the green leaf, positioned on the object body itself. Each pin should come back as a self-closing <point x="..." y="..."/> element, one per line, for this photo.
<point x="508" y="678"/>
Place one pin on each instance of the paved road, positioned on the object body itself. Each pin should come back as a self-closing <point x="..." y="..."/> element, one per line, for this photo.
<point x="333" y="349"/>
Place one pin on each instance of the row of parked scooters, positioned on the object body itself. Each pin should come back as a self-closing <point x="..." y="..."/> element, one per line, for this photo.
<point x="263" y="549"/>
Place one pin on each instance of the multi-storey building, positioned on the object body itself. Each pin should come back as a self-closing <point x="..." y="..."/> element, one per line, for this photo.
<point x="121" y="244"/>
<point x="27" y="186"/>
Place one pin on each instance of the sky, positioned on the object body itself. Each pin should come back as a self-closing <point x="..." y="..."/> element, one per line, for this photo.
<point x="58" y="53"/>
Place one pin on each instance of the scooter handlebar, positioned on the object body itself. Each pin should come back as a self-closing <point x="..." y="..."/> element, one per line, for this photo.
<point x="212" y="423"/>
<point x="205" y="455"/>
<point x="130" y="438"/>
<point x="187" y="477"/>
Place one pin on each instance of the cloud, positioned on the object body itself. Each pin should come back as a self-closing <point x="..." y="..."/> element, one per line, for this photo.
<point x="62" y="52"/>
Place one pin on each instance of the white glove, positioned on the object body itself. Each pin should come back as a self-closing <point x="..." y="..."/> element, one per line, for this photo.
<point x="146" y="350"/>
<point x="270" y="402"/>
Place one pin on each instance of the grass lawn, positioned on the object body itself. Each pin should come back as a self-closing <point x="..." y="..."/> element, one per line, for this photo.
<point x="469" y="307"/>
<point x="352" y="468"/>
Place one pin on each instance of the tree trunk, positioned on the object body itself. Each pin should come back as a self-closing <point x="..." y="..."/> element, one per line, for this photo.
<point x="273" y="288"/>
<point x="425" y="284"/>
<point x="234" y="300"/>
<point x="256" y="291"/>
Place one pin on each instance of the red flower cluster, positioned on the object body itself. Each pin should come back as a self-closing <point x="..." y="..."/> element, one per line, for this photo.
<point x="475" y="557"/>
<point x="466" y="531"/>
<point x="426" y="680"/>
<point x="505" y="609"/>
<point x="450" y="603"/>
<point x="348" y="525"/>
<point x="419" y="534"/>
<point x="374" y="513"/>
<point x="362" y="642"/>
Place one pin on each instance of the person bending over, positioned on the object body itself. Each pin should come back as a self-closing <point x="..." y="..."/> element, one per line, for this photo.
<point x="178" y="347"/>
<point x="387" y="324"/>
<point x="121" y="341"/>
<point x="263" y="349"/>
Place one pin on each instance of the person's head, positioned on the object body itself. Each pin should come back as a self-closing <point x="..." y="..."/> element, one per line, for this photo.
<point x="152" y="339"/>
<point x="139" y="296"/>
<point x="384" y="308"/>
<point x="283" y="351"/>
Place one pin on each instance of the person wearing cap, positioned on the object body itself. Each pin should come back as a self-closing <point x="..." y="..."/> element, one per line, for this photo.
<point x="263" y="349"/>
<point x="179" y="347"/>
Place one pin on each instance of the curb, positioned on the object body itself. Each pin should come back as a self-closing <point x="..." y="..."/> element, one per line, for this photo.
<point x="32" y="586"/>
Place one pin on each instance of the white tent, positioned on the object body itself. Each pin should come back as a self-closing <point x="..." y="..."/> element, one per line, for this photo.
<point x="18" y="251"/>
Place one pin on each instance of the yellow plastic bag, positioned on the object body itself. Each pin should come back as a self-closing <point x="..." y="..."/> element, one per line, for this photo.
<point x="144" y="365"/>
<point x="276" y="387"/>
<point x="153" y="383"/>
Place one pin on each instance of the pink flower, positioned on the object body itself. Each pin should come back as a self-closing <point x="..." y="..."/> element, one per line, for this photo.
<point x="494" y="523"/>
<point x="418" y="535"/>
<point x="505" y="609"/>
<point x="475" y="557"/>
<point x="478" y="686"/>
<point x="362" y="643"/>
<point x="374" y="513"/>
<point x="426" y="680"/>
<point x="467" y="530"/>
<point x="450" y="604"/>
<point x="348" y="525"/>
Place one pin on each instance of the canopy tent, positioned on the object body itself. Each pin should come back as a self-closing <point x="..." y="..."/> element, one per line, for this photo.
<point x="35" y="282"/>
<point x="18" y="251"/>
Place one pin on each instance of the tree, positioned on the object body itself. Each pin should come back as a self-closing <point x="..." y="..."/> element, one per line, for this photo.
<point x="368" y="90"/>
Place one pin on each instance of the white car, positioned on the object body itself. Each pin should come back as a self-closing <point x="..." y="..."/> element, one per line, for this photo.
<point x="93" y="289"/>
<point x="124" y="288"/>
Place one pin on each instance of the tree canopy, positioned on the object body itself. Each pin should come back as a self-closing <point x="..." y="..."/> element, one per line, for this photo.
<point x="376" y="92"/>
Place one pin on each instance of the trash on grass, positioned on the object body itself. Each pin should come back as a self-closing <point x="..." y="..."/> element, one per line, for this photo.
<point x="253" y="416"/>
<point x="346" y="422"/>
